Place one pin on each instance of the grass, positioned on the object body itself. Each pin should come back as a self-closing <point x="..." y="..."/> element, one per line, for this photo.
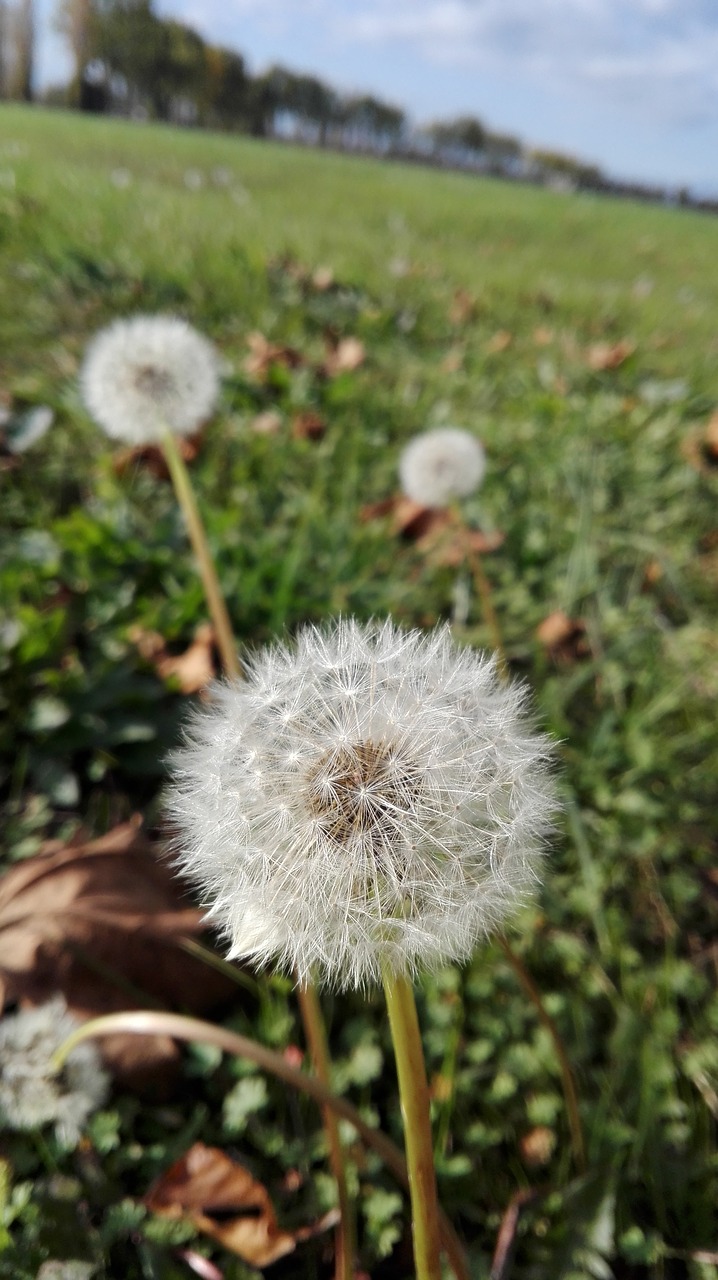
<point x="606" y="517"/>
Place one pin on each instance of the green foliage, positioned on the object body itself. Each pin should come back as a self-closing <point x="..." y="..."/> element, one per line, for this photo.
<point x="605" y="517"/>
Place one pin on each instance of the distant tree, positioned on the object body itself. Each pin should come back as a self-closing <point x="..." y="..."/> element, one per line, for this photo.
<point x="4" y="49"/>
<point x="226" y="93"/>
<point x="74" y="19"/>
<point x="557" y="165"/>
<point x="315" y="104"/>
<point x="262" y="105"/>
<point x="156" y="63"/>
<point x="466" y="133"/>
<point x="19" y="50"/>
<point x="370" y="124"/>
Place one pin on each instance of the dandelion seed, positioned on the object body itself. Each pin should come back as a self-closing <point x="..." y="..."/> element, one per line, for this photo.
<point x="367" y="801"/>
<point x="148" y="374"/>
<point x="438" y="466"/>
<point x="32" y="1093"/>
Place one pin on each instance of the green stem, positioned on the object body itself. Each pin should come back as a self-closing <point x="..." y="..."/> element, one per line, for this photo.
<point x="195" y="1030"/>
<point x="316" y="1034"/>
<point x="208" y="573"/>
<point x="570" y="1094"/>
<point x="309" y="1004"/>
<point x="414" y="1095"/>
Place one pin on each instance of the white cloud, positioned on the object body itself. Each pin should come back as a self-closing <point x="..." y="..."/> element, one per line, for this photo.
<point x="659" y="53"/>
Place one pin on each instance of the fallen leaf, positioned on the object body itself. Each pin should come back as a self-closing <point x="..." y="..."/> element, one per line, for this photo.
<point x="453" y="360"/>
<point x="537" y="1146"/>
<point x="308" y="425"/>
<point x="463" y="307"/>
<point x="322" y="279"/>
<point x="192" y="670"/>
<point x="451" y="545"/>
<point x="501" y="341"/>
<point x="267" y="423"/>
<point x="563" y="638"/>
<point x="542" y="336"/>
<point x="100" y="921"/>
<point x="344" y="356"/>
<point x="224" y="1201"/>
<point x="652" y="573"/>
<point x="151" y="457"/>
<point x="609" y="355"/>
<point x="263" y="354"/>
<point x="700" y="446"/>
<point x="377" y="510"/>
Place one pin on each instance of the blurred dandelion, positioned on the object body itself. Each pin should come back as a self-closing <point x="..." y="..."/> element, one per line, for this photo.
<point x="32" y="1092"/>
<point x="148" y="375"/>
<point x="437" y="467"/>
<point x="121" y="178"/>
<point x="369" y="801"/>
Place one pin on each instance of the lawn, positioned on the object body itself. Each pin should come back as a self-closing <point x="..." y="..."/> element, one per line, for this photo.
<point x="355" y="303"/>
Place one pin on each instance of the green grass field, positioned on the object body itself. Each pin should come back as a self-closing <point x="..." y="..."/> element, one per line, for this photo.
<point x="577" y="337"/>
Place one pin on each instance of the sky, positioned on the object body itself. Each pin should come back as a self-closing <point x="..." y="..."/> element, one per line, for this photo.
<point x="631" y="85"/>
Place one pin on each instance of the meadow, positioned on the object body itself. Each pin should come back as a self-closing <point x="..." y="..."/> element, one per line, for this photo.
<point x="355" y="303"/>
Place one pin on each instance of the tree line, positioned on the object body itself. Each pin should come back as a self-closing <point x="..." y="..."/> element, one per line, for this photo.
<point x="127" y="60"/>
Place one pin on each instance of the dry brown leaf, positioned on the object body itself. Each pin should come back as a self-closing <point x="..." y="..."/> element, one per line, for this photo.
<point x="192" y="669"/>
<point x="267" y="423"/>
<point x="501" y="341"/>
<point x="453" y="360"/>
<point x="463" y="307"/>
<point x="308" y="425"/>
<point x="609" y="355"/>
<point x="151" y="457"/>
<point x="563" y="638"/>
<point x="344" y="356"/>
<point x="222" y="1199"/>
<point x="322" y="279"/>
<point x="449" y="546"/>
<point x="263" y="354"/>
<point x="99" y="921"/>
<point x="537" y="1146"/>
<point x="410" y="520"/>
<point x="543" y="336"/>
<point x="700" y="446"/>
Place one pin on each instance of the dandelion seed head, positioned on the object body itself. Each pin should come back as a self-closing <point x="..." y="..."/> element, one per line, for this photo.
<point x="149" y="373"/>
<point x="438" y="466"/>
<point x="32" y="1093"/>
<point x="368" y="799"/>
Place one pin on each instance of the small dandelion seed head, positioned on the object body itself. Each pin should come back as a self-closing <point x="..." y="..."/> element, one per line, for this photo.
<point x="439" y="466"/>
<point x="368" y="799"/>
<point x="148" y="374"/>
<point x="32" y="1092"/>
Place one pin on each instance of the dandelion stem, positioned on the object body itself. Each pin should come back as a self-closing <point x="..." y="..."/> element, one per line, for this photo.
<point x="414" y="1095"/>
<point x="309" y="1004"/>
<point x="315" y="1031"/>
<point x="569" y="1084"/>
<point x="208" y="573"/>
<point x="195" y="1030"/>
<point x="483" y="587"/>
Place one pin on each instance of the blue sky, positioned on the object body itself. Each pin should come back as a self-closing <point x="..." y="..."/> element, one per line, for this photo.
<point x="629" y="84"/>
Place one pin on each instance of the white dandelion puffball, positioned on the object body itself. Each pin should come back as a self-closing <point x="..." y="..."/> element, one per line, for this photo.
<point x="32" y="1093"/>
<point x="439" y="466"/>
<point x="367" y="800"/>
<point x="148" y="374"/>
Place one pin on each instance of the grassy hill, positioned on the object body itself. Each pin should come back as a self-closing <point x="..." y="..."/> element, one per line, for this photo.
<point x="577" y="337"/>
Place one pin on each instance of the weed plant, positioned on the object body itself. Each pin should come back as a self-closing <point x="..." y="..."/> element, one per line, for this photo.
<point x="576" y="336"/>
